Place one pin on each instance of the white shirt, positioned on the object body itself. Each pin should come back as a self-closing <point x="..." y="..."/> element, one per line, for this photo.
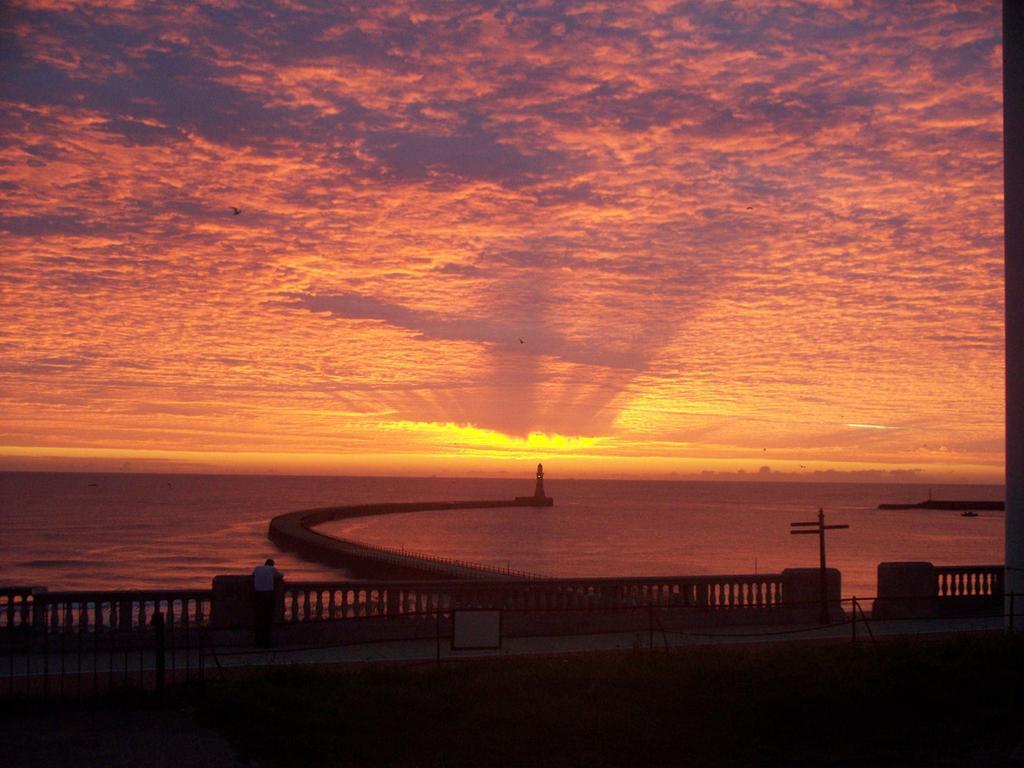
<point x="263" y="577"/>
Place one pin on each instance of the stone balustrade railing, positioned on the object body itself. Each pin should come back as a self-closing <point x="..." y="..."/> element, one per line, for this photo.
<point x="327" y="601"/>
<point x="229" y="604"/>
<point x="91" y="611"/>
<point x="969" y="581"/>
<point x="922" y="590"/>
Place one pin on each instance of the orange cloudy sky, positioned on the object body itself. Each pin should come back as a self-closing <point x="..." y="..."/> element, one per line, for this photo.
<point x="729" y="235"/>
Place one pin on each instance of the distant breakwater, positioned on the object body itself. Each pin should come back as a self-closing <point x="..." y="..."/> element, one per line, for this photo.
<point x="294" y="532"/>
<point x="953" y="504"/>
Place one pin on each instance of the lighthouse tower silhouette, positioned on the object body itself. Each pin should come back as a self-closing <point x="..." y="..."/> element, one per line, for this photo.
<point x="538" y="492"/>
<point x="539" y="499"/>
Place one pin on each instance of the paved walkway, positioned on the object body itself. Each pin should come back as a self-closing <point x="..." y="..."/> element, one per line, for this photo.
<point x="413" y="651"/>
<point x="135" y="665"/>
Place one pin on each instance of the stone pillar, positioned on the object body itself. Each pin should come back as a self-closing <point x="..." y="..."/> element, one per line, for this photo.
<point x="906" y="591"/>
<point x="801" y="594"/>
<point x="233" y="605"/>
<point x="1013" y="187"/>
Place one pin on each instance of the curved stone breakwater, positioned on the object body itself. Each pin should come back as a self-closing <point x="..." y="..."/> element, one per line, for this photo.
<point x="294" y="532"/>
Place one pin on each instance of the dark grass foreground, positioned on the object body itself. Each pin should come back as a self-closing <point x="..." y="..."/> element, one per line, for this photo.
<point x="950" y="702"/>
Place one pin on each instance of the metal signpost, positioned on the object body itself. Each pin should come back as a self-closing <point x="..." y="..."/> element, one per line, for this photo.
<point x="818" y="530"/>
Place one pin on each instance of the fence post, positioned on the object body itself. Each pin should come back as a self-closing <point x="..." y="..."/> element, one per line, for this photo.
<point x="38" y="609"/>
<point x="853" y="621"/>
<point x="158" y="625"/>
<point x="437" y="633"/>
<point x="124" y="615"/>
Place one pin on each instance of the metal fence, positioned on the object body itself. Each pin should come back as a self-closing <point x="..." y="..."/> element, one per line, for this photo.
<point x="76" y="644"/>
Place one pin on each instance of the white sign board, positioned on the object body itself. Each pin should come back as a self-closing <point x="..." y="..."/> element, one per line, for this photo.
<point x="476" y="630"/>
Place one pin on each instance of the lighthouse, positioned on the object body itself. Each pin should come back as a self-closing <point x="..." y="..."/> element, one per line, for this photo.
<point x="539" y="499"/>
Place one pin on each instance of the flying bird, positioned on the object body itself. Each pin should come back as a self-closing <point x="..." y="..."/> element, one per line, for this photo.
<point x="235" y="211"/>
<point x="521" y="341"/>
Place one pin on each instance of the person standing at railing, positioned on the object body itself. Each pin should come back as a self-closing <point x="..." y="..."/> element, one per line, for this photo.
<point x="264" y="581"/>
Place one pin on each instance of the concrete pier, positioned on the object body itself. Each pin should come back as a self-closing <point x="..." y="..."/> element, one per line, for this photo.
<point x="295" y="532"/>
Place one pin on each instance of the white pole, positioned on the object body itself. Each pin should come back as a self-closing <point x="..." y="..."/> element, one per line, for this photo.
<point x="1013" y="187"/>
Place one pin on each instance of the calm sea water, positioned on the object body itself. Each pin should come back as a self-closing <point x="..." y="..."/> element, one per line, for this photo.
<point x="80" y="531"/>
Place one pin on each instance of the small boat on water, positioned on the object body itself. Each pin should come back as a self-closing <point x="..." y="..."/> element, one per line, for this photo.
<point x="968" y="513"/>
